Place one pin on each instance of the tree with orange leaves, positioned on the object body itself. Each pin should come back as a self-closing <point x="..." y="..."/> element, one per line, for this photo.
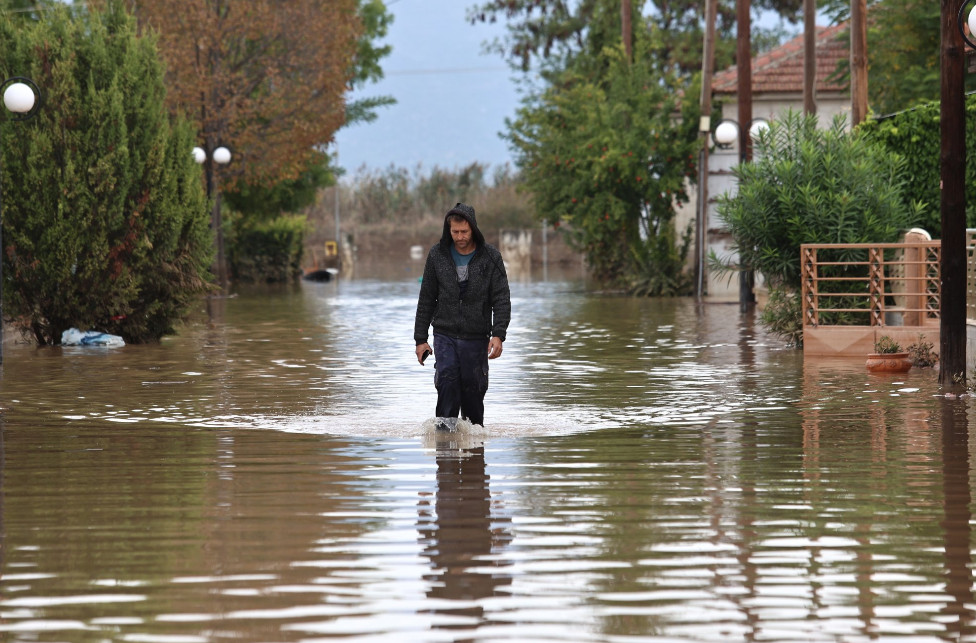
<point x="265" y="78"/>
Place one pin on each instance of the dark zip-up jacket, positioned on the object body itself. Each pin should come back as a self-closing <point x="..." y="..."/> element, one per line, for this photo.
<point x="486" y="309"/>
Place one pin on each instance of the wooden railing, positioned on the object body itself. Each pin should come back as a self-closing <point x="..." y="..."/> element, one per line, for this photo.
<point x="873" y="284"/>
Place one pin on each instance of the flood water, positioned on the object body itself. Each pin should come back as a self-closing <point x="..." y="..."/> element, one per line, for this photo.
<point x="650" y="470"/>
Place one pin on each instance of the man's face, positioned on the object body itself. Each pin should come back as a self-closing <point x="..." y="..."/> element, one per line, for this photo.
<point x="461" y="233"/>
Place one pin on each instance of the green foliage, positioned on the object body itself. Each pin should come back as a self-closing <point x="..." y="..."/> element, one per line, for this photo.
<point x="922" y="353"/>
<point x="903" y="43"/>
<point x="659" y="265"/>
<point x="783" y="316"/>
<point x="886" y="345"/>
<point x="611" y="156"/>
<point x="267" y="251"/>
<point x="810" y="185"/>
<point x="262" y="203"/>
<point x="555" y="35"/>
<point x="105" y="220"/>
<point x="376" y="23"/>
<point x="914" y="136"/>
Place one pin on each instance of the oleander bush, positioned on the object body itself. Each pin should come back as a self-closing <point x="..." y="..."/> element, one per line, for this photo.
<point x="812" y="185"/>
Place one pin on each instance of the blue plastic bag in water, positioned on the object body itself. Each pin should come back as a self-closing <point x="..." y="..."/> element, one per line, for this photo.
<point x="75" y="337"/>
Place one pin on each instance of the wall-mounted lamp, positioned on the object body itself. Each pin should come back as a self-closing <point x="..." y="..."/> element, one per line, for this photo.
<point x="727" y="131"/>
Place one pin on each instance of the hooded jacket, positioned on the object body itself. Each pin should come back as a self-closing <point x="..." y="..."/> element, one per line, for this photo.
<point x="486" y="308"/>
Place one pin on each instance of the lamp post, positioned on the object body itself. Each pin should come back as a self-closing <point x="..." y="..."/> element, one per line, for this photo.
<point x="21" y="98"/>
<point x="725" y="134"/>
<point x="338" y="229"/>
<point x="218" y="156"/>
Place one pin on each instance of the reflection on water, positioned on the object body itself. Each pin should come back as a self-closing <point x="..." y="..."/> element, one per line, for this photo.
<point x="650" y="469"/>
<point x="463" y="538"/>
<point x="958" y="611"/>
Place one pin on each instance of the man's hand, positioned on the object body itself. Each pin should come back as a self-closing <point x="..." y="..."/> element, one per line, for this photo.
<point x="421" y="349"/>
<point x="494" y="348"/>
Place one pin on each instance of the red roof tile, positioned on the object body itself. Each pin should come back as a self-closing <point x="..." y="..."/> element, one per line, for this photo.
<point x="780" y="70"/>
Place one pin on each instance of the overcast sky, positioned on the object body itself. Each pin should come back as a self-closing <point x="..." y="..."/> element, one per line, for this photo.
<point x="452" y="100"/>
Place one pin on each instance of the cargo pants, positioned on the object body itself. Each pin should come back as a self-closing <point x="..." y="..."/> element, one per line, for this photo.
<point x="461" y="377"/>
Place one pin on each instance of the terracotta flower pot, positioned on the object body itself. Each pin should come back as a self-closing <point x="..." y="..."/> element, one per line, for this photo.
<point x="888" y="362"/>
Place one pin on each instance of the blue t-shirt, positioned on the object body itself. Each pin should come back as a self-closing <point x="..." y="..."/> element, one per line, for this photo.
<point x="461" y="263"/>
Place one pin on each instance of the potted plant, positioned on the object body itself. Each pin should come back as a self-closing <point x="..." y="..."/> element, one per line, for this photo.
<point x="888" y="357"/>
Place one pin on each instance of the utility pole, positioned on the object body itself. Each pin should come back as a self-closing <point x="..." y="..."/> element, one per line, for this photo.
<point x="704" y="129"/>
<point x="952" y="158"/>
<point x="809" y="56"/>
<point x="743" y="62"/>
<point x="859" y="61"/>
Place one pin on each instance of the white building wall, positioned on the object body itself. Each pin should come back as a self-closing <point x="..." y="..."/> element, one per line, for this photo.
<point x="722" y="288"/>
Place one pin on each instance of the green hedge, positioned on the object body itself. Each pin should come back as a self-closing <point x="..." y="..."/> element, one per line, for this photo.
<point x="915" y="135"/>
<point x="267" y="251"/>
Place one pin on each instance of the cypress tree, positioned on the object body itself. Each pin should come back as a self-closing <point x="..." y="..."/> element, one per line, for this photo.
<point x="105" y="221"/>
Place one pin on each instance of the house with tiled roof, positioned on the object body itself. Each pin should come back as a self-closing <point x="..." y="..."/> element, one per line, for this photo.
<point x="777" y="76"/>
<point x="777" y="86"/>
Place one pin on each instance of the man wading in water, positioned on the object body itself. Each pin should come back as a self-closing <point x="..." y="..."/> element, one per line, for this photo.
<point x="465" y="295"/>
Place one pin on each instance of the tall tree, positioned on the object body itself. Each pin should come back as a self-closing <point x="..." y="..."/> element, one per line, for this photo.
<point x="605" y="155"/>
<point x="265" y="78"/>
<point x="903" y="52"/>
<point x="105" y="220"/>
<point x="292" y="195"/>
<point x="550" y="33"/>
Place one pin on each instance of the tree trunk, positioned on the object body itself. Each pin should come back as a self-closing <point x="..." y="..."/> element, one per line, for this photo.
<point x="625" y="29"/>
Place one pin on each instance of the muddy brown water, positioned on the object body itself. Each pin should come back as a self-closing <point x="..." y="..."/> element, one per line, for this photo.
<point x="649" y="470"/>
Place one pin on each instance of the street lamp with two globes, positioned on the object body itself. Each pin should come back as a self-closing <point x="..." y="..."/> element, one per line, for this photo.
<point x="727" y="132"/>
<point x="218" y="156"/>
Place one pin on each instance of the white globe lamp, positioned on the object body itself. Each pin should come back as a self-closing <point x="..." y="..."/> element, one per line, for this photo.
<point x="19" y="98"/>
<point x="221" y="155"/>
<point x="758" y="126"/>
<point x="726" y="133"/>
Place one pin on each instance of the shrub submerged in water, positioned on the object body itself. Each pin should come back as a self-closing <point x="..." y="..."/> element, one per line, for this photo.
<point x="810" y="185"/>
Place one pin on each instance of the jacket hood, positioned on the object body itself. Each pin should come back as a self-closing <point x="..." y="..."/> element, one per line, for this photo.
<point x="467" y="212"/>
